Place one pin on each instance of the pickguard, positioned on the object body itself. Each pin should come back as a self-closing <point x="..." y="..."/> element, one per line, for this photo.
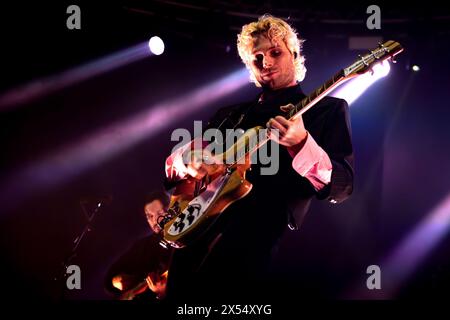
<point x="197" y="207"/>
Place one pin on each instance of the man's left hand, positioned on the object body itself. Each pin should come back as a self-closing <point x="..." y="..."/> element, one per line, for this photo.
<point x="292" y="133"/>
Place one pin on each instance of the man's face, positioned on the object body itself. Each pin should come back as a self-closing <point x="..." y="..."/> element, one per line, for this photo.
<point x="273" y="63"/>
<point x="153" y="210"/>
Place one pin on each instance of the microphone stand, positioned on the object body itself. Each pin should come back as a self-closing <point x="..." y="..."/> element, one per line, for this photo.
<point x="73" y="253"/>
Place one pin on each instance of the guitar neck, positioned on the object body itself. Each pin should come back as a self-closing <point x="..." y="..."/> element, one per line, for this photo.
<point x="309" y="101"/>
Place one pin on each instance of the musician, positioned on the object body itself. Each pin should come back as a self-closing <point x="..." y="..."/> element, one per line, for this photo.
<point x="146" y="261"/>
<point x="315" y="160"/>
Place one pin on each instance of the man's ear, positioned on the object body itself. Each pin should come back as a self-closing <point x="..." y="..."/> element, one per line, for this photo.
<point x="295" y="55"/>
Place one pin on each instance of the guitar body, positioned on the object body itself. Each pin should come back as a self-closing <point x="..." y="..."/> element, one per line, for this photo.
<point x="195" y="204"/>
<point x="195" y="214"/>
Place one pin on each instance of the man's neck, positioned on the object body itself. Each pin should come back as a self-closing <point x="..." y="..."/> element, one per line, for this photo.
<point x="269" y="93"/>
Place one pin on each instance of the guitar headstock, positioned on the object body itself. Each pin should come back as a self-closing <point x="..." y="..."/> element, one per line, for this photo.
<point x="387" y="50"/>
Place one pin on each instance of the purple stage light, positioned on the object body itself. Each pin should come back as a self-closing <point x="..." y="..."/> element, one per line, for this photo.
<point x="100" y="146"/>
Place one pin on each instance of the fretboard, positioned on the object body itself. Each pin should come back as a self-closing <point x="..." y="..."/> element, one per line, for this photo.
<point x="317" y="95"/>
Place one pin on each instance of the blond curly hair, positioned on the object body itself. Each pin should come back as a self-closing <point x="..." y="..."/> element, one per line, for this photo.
<point x="275" y="29"/>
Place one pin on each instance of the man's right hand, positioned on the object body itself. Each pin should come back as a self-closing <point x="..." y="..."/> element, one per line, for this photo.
<point x="202" y="163"/>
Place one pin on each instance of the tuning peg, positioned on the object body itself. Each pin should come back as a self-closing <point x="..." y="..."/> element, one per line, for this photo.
<point x="383" y="47"/>
<point x="363" y="61"/>
<point x="373" y="54"/>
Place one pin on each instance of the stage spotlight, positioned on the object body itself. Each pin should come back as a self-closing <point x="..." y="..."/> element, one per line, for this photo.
<point x="381" y="70"/>
<point x="156" y="45"/>
<point x="415" y="68"/>
<point x="354" y="88"/>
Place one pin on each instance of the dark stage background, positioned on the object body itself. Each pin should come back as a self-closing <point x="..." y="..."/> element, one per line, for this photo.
<point x="400" y="130"/>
